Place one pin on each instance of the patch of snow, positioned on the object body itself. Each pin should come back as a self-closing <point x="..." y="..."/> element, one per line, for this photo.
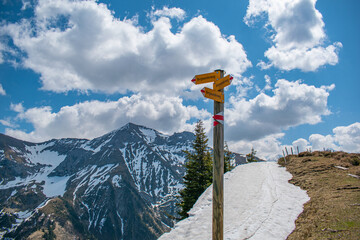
<point x="259" y="203"/>
<point x="150" y="134"/>
<point x="116" y="180"/>
<point x="15" y="149"/>
<point x="342" y="168"/>
<point x="44" y="203"/>
<point x="37" y="155"/>
<point x="54" y="186"/>
<point x="353" y="175"/>
<point x="99" y="176"/>
<point x="87" y="146"/>
<point x="81" y="175"/>
<point x="91" y="176"/>
<point x="122" y="225"/>
<point x="102" y="222"/>
<point x="23" y="215"/>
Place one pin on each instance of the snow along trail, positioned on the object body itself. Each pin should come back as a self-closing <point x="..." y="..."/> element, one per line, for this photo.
<point x="259" y="204"/>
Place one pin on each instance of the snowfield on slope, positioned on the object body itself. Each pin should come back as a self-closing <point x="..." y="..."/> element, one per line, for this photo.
<point x="259" y="204"/>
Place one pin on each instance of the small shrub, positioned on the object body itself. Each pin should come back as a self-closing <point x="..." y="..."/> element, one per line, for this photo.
<point x="328" y="154"/>
<point x="281" y="162"/>
<point x="305" y="154"/>
<point x="355" y="161"/>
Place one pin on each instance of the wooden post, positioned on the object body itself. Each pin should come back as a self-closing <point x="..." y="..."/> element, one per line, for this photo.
<point x="298" y="150"/>
<point x="284" y="156"/>
<point x="218" y="174"/>
<point x="292" y="153"/>
<point x="287" y="153"/>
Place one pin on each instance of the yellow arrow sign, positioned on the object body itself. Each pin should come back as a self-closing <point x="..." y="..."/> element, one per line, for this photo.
<point x="222" y="82"/>
<point x="213" y="94"/>
<point x="206" y="78"/>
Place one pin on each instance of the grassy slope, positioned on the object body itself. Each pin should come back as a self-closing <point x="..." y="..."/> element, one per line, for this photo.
<point x="334" y="209"/>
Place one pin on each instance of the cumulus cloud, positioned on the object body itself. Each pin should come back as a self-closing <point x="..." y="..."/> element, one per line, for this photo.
<point x="2" y="91"/>
<point x="344" y="138"/>
<point x="298" y="34"/>
<point x="320" y="142"/>
<point x="267" y="148"/>
<point x="301" y="144"/>
<point x="80" y="45"/>
<point x="17" y="107"/>
<point x="177" y="13"/>
<point x="348" y="137"/>
<point x="292" y="104"/>
<point x="93" y="118"/>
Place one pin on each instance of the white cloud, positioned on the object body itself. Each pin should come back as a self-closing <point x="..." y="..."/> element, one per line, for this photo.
<point x="174" y="12"/>
<point x="302" y="144"/>
<point x="298" y="36"/>
<point x="94" y="118"/>
<point x="92" y="50"/>
<point x="268" y="148"/>
<point x="17" y="107"/>
<point x="260" y="122"/>
<point x="7" y="123"/>
<point x="344" y="138"/>
<point x="2" y="91"/>
<point x="348" y="137"/>
<point x="26" y="5"/>
<point x="320" y="142"/>
<point x="268" y="83"/>
<point x="292" y="104"/>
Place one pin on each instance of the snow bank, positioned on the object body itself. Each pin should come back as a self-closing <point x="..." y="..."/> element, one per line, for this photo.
<point x="259" y="204"/>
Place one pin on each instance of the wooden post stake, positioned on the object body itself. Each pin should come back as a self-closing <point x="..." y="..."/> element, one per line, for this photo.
<point x="284" y="156"/>
<point x="218" y="174"/>
<point x="298" y="150"/>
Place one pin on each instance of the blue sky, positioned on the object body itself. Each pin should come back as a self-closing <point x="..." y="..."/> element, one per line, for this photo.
<point x="83" y="68"/>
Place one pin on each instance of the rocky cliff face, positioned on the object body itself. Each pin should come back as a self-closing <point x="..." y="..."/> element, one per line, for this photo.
<point x="118" y="186"/>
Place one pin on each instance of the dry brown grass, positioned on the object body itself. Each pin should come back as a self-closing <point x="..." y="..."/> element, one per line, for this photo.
<point x="333" y="211"/>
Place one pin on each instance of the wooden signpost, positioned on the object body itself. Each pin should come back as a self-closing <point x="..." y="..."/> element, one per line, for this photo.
<point x="213" y="94"/>
<point x="217" y="94"/>
<point x="222" y="82"/>
<point x="206" y="78"/>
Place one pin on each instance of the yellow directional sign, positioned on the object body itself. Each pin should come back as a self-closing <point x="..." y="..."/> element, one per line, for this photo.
<point x="206" y="78"/>
<point x="222" y="82"/>
<point x="213" y="94"/>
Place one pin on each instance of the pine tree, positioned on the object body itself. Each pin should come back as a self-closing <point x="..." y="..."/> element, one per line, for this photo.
<point x="198" y="171"/>
<point x="251" y="156"/>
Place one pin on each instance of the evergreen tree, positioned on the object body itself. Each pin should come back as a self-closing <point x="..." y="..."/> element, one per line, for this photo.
<point x="251" y="156"/>
<point x="198" y="171"/>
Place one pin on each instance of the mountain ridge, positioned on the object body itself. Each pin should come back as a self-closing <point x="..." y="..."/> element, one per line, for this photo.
<point x="122" y="179"/>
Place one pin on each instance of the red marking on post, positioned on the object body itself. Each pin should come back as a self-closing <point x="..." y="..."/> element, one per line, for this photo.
<point x="194" y="80"/>
<point x="203" y="91"/>
<point x="218" y="118"/>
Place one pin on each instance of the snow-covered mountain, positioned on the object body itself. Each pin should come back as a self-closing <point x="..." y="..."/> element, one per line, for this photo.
<point x="118" y="186"/>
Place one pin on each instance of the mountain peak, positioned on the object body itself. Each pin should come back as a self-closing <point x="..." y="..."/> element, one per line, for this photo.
<point x="129" y="126"/>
